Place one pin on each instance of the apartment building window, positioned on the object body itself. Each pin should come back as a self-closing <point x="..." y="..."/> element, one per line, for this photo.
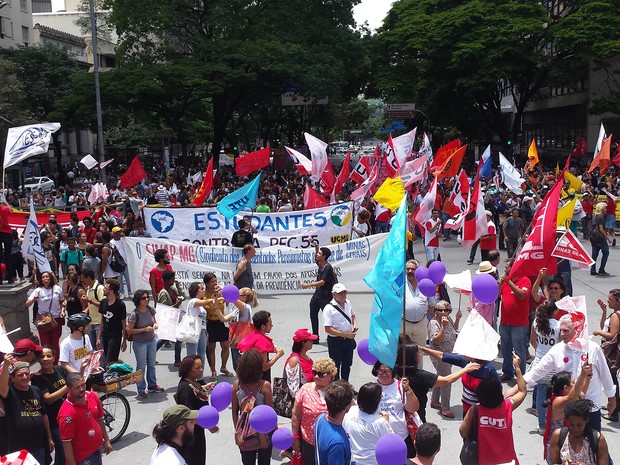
<point x="23" y="5"/>
<point x="25" y="35"/>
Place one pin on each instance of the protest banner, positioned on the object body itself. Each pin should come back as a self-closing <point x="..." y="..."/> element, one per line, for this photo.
<point x="167" y="321"/>
<point x="206" y="226"/>
<point x="277" y="270"/>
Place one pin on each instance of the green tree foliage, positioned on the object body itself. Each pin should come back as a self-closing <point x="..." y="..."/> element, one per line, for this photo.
<point x="250" y="51"/>
<point x="458" y="59"/>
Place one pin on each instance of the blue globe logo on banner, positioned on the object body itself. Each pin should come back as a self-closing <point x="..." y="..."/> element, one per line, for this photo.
<point x="341" y="215"/>
<point x="162" y="221"/>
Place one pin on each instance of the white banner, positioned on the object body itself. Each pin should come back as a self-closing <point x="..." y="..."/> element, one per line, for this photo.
<point x="206" y="226"/>
<point x="167" y="321"/>
<point x="277" y="270"/>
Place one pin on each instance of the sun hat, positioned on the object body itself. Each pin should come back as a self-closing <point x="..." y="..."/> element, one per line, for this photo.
<point x="485" y="267"/>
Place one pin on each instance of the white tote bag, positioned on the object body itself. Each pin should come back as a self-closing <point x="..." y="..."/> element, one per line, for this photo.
<point x="189" y="329"/>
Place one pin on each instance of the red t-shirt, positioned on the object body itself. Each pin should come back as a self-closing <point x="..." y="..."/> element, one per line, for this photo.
<point x="78" y="423"/>
<point x="611" y="207"/>
<point x="515" y="311"/>
<point x="495" y="442"/>
<point x="490" y="243"/>
<point x="5" y="227"/>
<point x="90" y="234"/>
<point x="159" y="281"/>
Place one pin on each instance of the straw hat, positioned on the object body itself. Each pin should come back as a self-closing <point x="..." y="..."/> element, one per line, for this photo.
<point x="486" y="268"/>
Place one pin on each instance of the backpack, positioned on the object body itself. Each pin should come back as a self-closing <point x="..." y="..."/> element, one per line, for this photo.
<point x="245" y="436"/>
<point x="116" y="261"/>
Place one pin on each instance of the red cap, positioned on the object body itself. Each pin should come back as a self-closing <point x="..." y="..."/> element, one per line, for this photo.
<point x="24" y="345"/>
<point x="304" y="335"/>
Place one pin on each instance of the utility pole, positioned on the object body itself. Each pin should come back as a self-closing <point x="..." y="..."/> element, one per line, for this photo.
<point x="100" y="139"/>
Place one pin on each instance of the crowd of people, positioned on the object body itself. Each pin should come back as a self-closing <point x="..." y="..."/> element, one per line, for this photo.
<point x="332" y="422"/>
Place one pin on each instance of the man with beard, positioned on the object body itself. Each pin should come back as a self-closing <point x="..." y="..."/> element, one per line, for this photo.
<point x="80" y="420"/>
<point x="156" y="279"/>
<point x="172" y="434"/>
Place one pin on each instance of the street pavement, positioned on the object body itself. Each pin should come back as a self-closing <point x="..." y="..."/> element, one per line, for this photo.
<point x="290" y="313"/>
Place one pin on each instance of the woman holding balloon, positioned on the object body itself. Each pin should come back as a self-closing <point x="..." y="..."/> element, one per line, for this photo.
<point x="194" y="394"/>
<point x="250" y="384"/>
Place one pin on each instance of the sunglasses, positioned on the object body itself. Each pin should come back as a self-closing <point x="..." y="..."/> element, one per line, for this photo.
<point x="384" y="372"/>
<point x="442" y="310"/>
<point x="319" y="374"/>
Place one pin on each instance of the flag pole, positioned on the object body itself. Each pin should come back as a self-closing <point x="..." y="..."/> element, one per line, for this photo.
<point x="404" y="295"/>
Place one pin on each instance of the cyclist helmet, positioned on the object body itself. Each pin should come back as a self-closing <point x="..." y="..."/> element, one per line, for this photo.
<point x="79" y="320"/>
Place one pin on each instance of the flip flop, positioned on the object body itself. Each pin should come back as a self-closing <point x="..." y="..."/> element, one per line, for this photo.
<point x="225" y="372"/>
<point x="447" y="414"/>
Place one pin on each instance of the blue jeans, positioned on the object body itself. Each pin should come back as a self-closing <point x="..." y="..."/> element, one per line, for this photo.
<point x="541" y="395"/>
<point x="446" y="231"/>
<point x="94" y="459"/>
<point x="341" y="352"/>
<point x="596" y="248"/>
<point x="146" y="353"/>
<point x="513" y="338"/>
<point x="200" y="348"/>
<point x="123" y="278"/>
<point x="381" y="227"/>
<point x="432" y="253"/>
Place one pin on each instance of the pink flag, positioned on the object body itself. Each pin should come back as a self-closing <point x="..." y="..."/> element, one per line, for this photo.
<point x="475" y="223"/>
<point x="427" y="205"/>
<point x="536" y="252"/>
<point x="414" y="170"/>
<point x="302" y="163"/>
<point x="318" y="151"/>
<point x="403" y="146"/>
<point x="312" y="199"/>
<point x="361" y="191"/>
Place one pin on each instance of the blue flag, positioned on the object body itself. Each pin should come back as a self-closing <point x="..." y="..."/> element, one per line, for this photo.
<point x="387" y="279"/>
<point x="236" y="201"/>
<point x="487" y="169"/>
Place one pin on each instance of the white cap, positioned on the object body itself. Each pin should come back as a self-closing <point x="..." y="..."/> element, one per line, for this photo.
<point x="338" y="288"/>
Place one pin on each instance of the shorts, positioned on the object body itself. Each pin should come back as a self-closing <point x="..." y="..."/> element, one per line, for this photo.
<point x="610" y="221"/>
<point x="217" y="331"/>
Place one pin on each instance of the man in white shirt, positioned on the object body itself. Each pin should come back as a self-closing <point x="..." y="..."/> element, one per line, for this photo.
<point x="178" y="425"/>
<point x="417" y="307"/>
<point x="564" y="357"/>
<point x="118" y="241"/>
<point x="341" y="327"/>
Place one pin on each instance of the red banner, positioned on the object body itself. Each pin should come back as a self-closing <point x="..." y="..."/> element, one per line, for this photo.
<point x="17" y="220"/>
<point x="253" y="161"/>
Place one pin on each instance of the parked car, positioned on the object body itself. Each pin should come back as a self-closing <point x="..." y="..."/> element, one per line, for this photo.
<point x="41" y="184"/>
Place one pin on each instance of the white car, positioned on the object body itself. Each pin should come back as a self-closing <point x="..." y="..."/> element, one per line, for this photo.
<point x="41" y="184"/>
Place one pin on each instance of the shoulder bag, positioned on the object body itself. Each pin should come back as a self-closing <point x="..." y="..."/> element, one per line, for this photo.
<point x="282" y="399"/>
<point x="189" y="329"/>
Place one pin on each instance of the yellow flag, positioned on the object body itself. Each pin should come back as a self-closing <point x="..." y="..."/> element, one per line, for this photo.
<point x="532" y="156"/>
<point x="575" y="182"/>
<point x="565" y="214"/>
<point x="391" y="193"/>
<point x="557" y="169"/>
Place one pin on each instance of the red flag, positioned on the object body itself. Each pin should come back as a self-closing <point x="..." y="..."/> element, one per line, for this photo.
<point x="135" y="174"/>
<point x="391" y="162"/>
<point x="616" y="159"/>
<point x="365" y="187"/>
<point x="444" y="152"/>
<point x="345" y="170"/>
<point x="570" y="248"/>
<point x="252" y="161"/>
<point x="361" y="171"/>
<point x="602" y="158"/>
<point x="426" y="206"/>
<point x="460" y="194"/>
<point x="451" y="166"/>
<point x="536" y="252"/>
<point x="580" y="149"/>
<point x="328" y="178"/>
<point x="302" y="163"/>
<point x="205" y="187"/>
<point x="475" y="223"/>
<point x="312" y="199"/>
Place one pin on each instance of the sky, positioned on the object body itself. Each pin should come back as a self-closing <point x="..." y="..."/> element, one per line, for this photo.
<point x="373" y="11"/>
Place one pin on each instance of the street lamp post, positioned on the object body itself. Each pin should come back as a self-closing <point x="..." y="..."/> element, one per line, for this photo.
<point x="100" y="140"/>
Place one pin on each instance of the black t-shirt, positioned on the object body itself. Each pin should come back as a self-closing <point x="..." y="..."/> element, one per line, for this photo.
<point x="111" y="317"/>
<point x="325" y="274"/>
<point x="24" y="414"/>
<point x="240" y="238"/>
<point x="421" y="381"/>
<point x="51" y="383"/>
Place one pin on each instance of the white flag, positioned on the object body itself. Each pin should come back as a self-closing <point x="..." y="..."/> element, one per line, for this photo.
<point x="27" y="141"/>
<point x="426" y="149"/>
<point x="318" y="150"/>
<point x="32" y="249"/>
<point x="89" y="161"/>
<point x="427" y="204"/>
<point x="510" y="176"/>
<point x="302" y="162"/>
<point x="414" y="170"/>
<point x="403" y="146"/>
<point x="601" y="137"/>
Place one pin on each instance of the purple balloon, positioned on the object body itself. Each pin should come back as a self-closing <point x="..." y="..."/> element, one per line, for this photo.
<point x="364" y="353"/>
<point x="436" y="272"/>
<point x="263" y="419"/>
<point x="485" y="288"/>
<point x="390" y="449"/>
<point x="230" y="293"/>
<point x="427" y="287"/>
<point x="208" y="417"/>
<point x="221" y="396"/>
<point x="421" y="272"/>
<point x="282" y="438"/>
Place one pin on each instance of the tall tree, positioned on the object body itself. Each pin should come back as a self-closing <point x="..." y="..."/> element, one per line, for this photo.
<point x="459" y="59"/>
